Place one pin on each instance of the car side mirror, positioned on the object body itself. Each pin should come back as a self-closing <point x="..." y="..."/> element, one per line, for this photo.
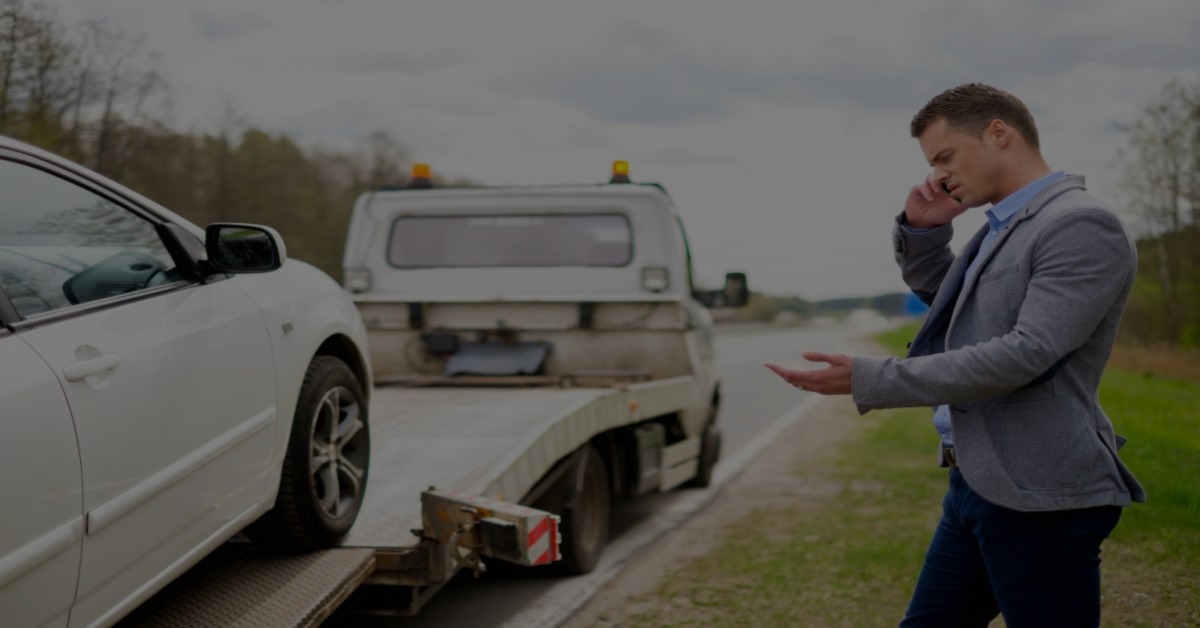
<point x="736" y="290"/>
<point x="240" y="248"/>
<point x="736" y="293"/>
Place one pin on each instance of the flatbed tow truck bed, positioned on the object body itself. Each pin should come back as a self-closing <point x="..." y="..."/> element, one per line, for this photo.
<point x="487" y="442"/>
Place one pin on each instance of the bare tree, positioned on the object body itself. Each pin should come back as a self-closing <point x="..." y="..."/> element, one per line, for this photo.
<point x="74" y="91"/>
<point x="28" y="47"/>
<point x="126" y="79"/>
<point x="1162" y="188"/>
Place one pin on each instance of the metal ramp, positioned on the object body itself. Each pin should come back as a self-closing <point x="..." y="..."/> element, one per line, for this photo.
<point x="246" y="586"/>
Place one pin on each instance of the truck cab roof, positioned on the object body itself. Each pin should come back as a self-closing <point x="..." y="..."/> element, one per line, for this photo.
<point x="518" y="243"/>
<point x="588" y="186"/>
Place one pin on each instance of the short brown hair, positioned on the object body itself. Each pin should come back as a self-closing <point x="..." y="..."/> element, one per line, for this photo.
<point x="971" y="107"/>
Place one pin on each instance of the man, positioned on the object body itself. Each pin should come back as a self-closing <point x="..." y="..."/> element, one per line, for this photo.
<point x="1021" y="324"/>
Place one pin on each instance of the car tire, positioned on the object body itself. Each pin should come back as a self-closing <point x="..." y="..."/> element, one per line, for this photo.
<point x="325" y="468"/>
<point x="586" y="514"/>
<point x="710" y="453"/>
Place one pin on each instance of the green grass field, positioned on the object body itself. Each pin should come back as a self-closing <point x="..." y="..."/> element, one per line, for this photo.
<point x="854" y="561"/>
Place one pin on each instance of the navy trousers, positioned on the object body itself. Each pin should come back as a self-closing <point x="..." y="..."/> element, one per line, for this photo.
<point x="1036" y="568"/>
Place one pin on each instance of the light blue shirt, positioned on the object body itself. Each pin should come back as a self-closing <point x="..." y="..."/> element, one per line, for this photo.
<point x="998" y="216"/>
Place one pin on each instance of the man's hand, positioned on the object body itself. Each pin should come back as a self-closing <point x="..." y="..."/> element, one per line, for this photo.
<point x="834" y="380"/>
<point x="929" y="206"/>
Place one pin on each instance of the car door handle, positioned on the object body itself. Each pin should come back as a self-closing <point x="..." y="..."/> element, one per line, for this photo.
<point x="79" y="371"/>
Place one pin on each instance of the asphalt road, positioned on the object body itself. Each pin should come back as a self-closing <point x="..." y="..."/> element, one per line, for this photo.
<point x="755" y="405"/>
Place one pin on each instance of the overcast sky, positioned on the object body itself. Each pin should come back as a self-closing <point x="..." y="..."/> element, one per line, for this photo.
<point x="779" y="127"/>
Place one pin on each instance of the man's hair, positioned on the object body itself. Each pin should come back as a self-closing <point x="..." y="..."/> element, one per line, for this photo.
<point x="971" y="107"/>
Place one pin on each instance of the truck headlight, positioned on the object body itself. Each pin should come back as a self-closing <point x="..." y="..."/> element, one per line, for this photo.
<point x="655" y="278"/>
<point x="356" y="279"/>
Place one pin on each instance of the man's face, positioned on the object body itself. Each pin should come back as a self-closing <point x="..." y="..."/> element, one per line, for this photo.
<point x="962" y="164"/>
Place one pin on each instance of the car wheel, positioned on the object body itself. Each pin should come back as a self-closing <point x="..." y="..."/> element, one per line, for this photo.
<point x="585" y="514"/>
<point x="325" y="469"/>
<point x="710" y="453"/>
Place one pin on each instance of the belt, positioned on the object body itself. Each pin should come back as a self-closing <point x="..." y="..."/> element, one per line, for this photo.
<point x="951" y="459"/>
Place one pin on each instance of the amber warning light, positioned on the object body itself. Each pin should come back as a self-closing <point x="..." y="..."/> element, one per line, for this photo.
<point x="620" y="172"/>
<point x="420" y="176"/>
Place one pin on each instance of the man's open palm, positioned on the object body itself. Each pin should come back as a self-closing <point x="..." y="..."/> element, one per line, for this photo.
<point x="833" y="380"/>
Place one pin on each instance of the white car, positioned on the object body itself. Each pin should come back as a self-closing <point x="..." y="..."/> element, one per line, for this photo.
<point x="162" y="388"/>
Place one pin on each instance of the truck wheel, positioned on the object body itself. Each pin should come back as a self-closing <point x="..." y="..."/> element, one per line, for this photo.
<point x="585" y="514"/>
<point x="710" y="453"/>
<point x="325" y="469"/>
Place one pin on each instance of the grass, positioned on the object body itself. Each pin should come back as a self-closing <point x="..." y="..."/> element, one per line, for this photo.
<point x="851" y="559"/>
<point x="1160" y="361"/>
<point x="1152" y="560"/>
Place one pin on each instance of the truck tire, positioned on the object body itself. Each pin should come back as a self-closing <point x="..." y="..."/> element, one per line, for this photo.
<point x="325" y="468"/>
<point x="586" y="513"/>
<point x="710" y="453"/>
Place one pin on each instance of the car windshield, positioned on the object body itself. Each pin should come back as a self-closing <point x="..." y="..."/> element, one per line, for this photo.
<point x="601" y="239"/>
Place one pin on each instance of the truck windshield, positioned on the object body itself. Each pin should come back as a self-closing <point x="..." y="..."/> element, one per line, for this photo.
<point x="510" y="240"/>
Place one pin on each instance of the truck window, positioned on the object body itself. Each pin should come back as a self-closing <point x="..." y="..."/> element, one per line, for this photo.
<point x="602" y="239"/>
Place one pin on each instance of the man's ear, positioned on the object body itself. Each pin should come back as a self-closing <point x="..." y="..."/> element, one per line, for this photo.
<point x="999" y="132"/>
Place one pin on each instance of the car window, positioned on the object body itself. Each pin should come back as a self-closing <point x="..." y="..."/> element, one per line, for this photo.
<point x="61" y="244"/>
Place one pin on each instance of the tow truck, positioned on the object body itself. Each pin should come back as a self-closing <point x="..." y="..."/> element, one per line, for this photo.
<point x="537" y="352"/>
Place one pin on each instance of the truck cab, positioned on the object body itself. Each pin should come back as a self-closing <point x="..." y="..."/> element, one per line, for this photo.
<point x="598" y="276"/>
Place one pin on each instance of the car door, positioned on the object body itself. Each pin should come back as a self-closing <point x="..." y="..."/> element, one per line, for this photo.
<point x="41" y="527"/>
<point x="170" y="383"/>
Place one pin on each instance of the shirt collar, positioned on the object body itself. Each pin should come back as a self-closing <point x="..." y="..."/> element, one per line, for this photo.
<point x="1002" y="212"/>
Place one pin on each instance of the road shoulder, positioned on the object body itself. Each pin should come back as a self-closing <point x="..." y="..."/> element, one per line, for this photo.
<point x="794" y="471"/>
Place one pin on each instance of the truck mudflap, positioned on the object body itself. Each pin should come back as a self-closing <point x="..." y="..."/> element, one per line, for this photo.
<point x="472" y="526"/>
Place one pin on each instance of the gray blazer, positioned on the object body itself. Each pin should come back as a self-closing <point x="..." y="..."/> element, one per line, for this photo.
<point x="1017" y="350"/>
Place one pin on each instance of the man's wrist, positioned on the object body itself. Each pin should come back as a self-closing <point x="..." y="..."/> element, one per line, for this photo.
<point x="915" y="226"/>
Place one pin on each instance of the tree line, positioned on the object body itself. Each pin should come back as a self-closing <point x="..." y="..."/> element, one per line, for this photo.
<point x="763" y="307"/>
<point x="95" y="95"/>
